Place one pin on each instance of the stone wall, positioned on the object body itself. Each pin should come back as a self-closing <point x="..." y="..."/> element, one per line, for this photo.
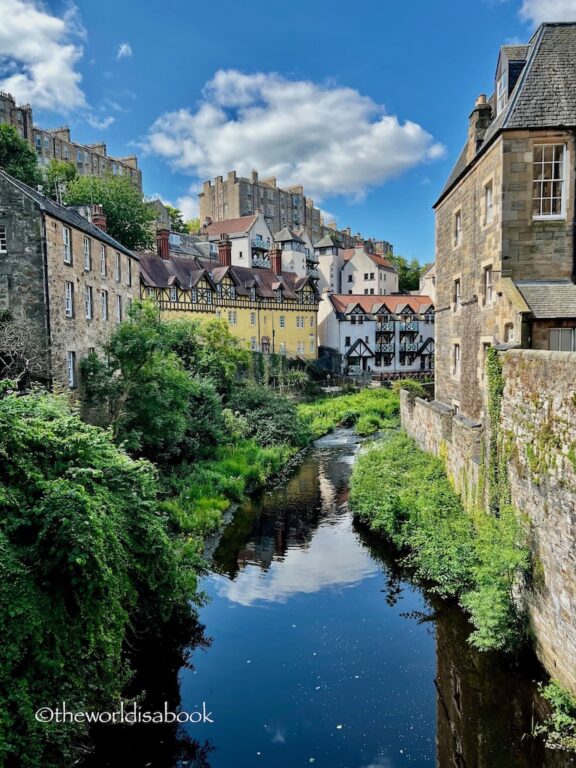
<point x="538" y="426"/>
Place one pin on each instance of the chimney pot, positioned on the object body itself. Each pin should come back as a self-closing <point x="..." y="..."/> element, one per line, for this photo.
<point x="163" y="243"/>
<point x="481" y="100"/>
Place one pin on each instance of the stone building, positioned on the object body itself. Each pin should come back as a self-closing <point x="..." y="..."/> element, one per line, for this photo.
<point x="62" y="277"/>
<point x="236" y="197"/>
<point x="390" y="335"/>
<point x="505" y="248"/>
<point x="270" y="309"/>
<point x="56" y="143"/>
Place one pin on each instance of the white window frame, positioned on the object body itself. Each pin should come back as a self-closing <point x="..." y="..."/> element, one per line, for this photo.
<point x="104" y="305"/>
<point x="71" y="369"/>
<point x="89" y="302"/>
<point x="561" y="332"/>
<point x="117" y="267"/>
<point x="118" y="308"/>
<point x="69" y="298"/>
<point x="87" y="253"/>
<point x="252" y="318"/>
<point x="564" y="166"/>
<point x="173" y="294"/>
<point x="488" y="285"/>
<point x="102" y="260"/>
<point x="67" y="240"/>
<point x="502" y="92"/>
<point x="488" y="203"/>
<point x="3" y="239"/>
<point x="282" y="321"/>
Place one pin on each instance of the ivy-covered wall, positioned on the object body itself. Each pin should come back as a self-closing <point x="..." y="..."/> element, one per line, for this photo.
<point x="525" y="454"/>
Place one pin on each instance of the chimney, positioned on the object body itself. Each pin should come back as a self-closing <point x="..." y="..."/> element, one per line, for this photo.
<point x="225" y="251"/>
<point x="276" y="260"/>
<point x="99" y="217"/>
<point x="480" y="120"/>
<point x="254" y="176"/>
<point x="163" y="243"/>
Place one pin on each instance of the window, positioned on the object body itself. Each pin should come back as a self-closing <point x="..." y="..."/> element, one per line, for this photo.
<point x="350" y="278"/>
<point x="252" y="318"/>
<point x="366" y="291"/>
<point x="365" y="275"/>
<point x="371" y="291"/>
<point x="549" y="174"/>
<point x="282" y="347"/>
<point x="371" y="275"/>
<point x="117" y="267"/>
<point x="502" y="92"/>
<point x="457" y="295"/>
<point x="208" y="297"/>
<point x="509" y="333"/>
<point x="353" y="319"/>
<point x="69" y="299"/>
<point x="561" y="339"/>
<point x="301" y="348"/>
<point x="129" y="272"/>
<point x="232" y="317"/>
<point x="67" y="239"/>
<point x="347" y="341"/>
<point x="194" y="295"/>
<point x="3" y="242"/>
<point x="282" y="321"/>
<point x="458" y="228"/>
<point x="87" y="251"/>
<point x="88" y="301"/>
<point x="456" y="407"/>
<point x="104" y="305"/>
<point x="312" y="321"/>
<point x="488" y="285"/>
<point x="103" y="260"/>
<point x="456" y="358"/>
<point x="299" y="321"/>
<point x="173" y="294"/>
<point x="360" y="319"/>
<point x="253" y="343"/>
<point x="312" y="341"/>
<point x="488" y="203"/>
<point x="240" y="254"/>
<point x="118" y="308"/>
<point x="279" y="295"/>
<point x="71" y="369"/>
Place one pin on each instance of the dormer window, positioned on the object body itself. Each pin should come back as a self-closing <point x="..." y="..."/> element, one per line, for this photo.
<point x="279" y="295"/>
<point x="502" y="92"/>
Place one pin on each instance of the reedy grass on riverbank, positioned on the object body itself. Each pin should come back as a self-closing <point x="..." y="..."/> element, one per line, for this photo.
<point x="404" y="494"/>
<point x="368" y="410"/>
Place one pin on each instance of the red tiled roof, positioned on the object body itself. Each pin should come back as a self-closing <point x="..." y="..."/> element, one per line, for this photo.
<point x="343" y="302"/>
<point x="230" y="226"/>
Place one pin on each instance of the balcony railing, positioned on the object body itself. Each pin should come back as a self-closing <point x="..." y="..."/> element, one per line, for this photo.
<point x="409" y="347"/>
<point x="382" y="349"/>
<point x="262" y="245"/>
<point x="263" y="262"/>
<point x="411" y="326"/>
<point x="312" y="273"/>
<point x="388" y="326"/>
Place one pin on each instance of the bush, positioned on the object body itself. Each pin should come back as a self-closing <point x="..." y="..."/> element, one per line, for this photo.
<point x="559" y="728"/>
<point x="414" y="388"/>
<point x="404" y="494"/>
<point x="368" y="424"/>
<point x="324" y="415"/>
<point x="272" y="419"/>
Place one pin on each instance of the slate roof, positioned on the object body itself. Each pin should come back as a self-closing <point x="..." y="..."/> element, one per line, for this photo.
<point x="286" y="235"/>
<point x="373" y="304"/>
<point x="230" y="226"/>
<point x="549" y="299"/>
<point x="544" y="95"/>
<point x="67" y="215"/>
<point x="348" y="253"/>
<point x="326" y="242"/>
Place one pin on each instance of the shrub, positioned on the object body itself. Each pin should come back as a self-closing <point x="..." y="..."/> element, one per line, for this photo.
<point x="272" y="419"/>
<point x="324" y="415"/>
<point x="559" y="728"/>
<point x="368" y="424"/>
<point x="414" y="388"/>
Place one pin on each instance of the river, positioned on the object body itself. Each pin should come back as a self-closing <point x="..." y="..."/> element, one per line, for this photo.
<point x="318" y="651"/>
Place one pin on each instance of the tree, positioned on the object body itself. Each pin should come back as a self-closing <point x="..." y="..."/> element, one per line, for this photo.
<point x="409" y="273"/>
<point x="193" y="226"/>
<point x="177" y="223"/>
<point x="59" y="172"/>
<point x="17" y="157"/>
<point x="23" y="353"/>
<point x="128" y="218"/>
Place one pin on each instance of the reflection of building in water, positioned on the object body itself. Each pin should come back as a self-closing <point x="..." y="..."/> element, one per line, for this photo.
<point x="484" y="713"/>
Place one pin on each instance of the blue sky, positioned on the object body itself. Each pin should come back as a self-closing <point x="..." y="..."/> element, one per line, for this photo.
<point x="365" y="103"/>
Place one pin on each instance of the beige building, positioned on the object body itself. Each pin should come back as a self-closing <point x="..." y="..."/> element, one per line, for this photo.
<point x="505" y="246"/>
<point x="63" y="280"/>
<point x="236" y="197"/>
<point x="88" y="159"/>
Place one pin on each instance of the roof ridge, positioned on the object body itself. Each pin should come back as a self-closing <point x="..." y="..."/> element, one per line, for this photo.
<point x="511" y="106"/>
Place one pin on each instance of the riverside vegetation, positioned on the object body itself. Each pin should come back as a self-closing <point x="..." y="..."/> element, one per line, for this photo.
<point x="103" y="525"/>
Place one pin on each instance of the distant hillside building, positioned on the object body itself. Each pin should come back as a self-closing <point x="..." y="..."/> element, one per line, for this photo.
<point x="88" y="159"/>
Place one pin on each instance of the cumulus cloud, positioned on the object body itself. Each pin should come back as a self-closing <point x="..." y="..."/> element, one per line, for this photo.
<point x="331" y="139"/>
<point x="101" y="123"/>
<point x="124" y="51"/>
<point x="39" y="53"/>
<point x="538" y="11"/>
<point x="188" y="204"/>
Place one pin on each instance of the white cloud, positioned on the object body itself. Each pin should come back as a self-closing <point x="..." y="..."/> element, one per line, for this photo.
<point x="538" y="11"/>
<point x="331" y="139"/>
<point x="124" y="51"/>
<point x="39" y="53"/>
<point x="101" y="123"/>
<point x="188" y="204"/>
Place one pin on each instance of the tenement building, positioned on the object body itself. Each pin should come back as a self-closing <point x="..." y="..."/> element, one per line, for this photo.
<point x="505" y="246"/>
<point x="65" y="284"/>
<point x="270" y="309"/>
<point x="56" y="144"/>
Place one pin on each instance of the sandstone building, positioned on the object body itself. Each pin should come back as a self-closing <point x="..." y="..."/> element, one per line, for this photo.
<point x="505" y="246"/>
<point x="88" y="159"/>
<point x="63" y="279"/>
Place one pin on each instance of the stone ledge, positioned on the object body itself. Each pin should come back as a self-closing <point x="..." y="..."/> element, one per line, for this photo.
<point x="542" y="354"/>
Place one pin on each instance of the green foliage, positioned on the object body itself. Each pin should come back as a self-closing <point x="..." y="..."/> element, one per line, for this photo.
<point x="497" y="470"/>
<point x="128" y="218"/>
<point x="272" y="418"/>
<point x="85" y="560"/>
<point x="415" y="388"/>
<point x="404" y="494"/>
<point x="58" y="172"/>
<point x="17" y="157"/>
<point x="325" y="414"/>
<point x="559" y="729"/>
<point x="177" y="223"/>
<point x="408" y="273"/>
<point x="368" y="424"/>
<point x="193" y="226"/>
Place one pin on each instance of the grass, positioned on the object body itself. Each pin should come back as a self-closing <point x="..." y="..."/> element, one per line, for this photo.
<point x="368" y="410"/>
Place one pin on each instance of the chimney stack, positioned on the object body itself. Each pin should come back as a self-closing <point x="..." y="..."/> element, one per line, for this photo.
<point x="225" y="251"/>
<point x="163" y="243"/>
<point x="480" y="120"/>
<point x="99" y="217"/>
<point x="276" y="260"/>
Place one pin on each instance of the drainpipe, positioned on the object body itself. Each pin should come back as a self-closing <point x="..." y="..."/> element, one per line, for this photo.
<point x="46" y="294"/>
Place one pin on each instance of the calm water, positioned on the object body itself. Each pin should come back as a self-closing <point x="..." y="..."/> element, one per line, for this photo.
<point x="320" y="653"/>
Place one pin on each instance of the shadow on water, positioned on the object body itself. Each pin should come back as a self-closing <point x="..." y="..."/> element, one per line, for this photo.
<point x="485" y="705"/>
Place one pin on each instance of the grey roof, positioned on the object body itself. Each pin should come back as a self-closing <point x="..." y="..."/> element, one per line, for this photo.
<point x="545" y="93"/>
<point x="326" y="242"/>
<point x="515" y="52"/>
<point x="67" y="215"/>
<point x="549" y="299"/>
<point x="286" y="235"/>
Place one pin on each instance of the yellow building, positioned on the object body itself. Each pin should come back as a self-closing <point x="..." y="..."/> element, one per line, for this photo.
<point x="270" y="310"/>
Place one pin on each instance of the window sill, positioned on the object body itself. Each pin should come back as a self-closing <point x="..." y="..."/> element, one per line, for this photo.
<point x="562" y="217"/>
